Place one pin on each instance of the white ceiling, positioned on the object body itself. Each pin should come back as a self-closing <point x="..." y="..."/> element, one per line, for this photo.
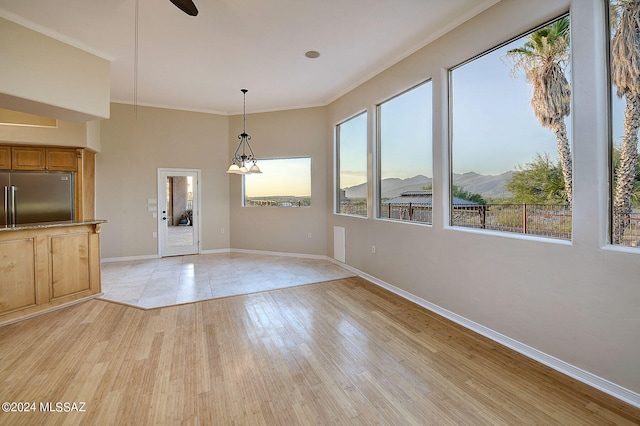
<point x="201" y="63"/>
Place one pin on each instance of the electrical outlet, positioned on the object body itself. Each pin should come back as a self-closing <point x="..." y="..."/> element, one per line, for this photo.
<point x="155" y="234"/>
<point x="222" y="230"/>
<point x="309" y="235"/>
<point x="373" y="249"/>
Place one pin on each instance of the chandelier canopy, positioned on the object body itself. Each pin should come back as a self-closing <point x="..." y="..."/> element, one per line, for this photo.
<point x="244" y="153"/>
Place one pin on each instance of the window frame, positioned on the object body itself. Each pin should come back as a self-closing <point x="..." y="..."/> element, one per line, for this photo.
<point x="611" y="147"/>
<point x="450" y="174"/>
<point x="378" y="154"/>
<point x="261" y="162"/>
<point x="337" y="150"/>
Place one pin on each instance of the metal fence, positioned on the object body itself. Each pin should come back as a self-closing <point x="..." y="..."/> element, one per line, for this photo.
<point x="534" y="219"/>
<point x="631" y="237"/>
<point x="548" y="220"/>
<point x="413" y="212"/>
<point x="357" y="209"/>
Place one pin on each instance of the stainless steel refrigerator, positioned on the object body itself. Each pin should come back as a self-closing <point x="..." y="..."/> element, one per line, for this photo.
<point x="31" y="197"/>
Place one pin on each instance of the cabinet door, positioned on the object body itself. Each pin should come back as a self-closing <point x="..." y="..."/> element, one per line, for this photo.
<point x="70" y="266"/>
<point x="64" y="160"/>
<point x="28" y="158"/>
<point x="5" y="157"/>
<point x="18" y="277"/>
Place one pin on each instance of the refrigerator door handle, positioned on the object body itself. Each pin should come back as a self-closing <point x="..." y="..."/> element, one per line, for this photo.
<point x="12" y="206"/>
<point x="6" y="205"/>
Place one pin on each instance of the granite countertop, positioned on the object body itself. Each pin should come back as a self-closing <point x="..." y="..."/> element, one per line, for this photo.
<point x="43" y="225"/>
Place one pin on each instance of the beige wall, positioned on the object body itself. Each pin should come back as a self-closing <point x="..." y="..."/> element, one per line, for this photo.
<point x="296" y="133"/>
<point x="134" y="146"/>
<point x="62" y="81"/>
<point x="575" y="301"/>
<point x="93" y="135"/>
<point x="66" y="134"/>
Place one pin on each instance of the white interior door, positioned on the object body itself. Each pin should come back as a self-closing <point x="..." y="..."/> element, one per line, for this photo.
<point x="178" y="212"/>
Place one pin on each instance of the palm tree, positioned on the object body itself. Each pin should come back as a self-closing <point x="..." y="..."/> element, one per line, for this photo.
<point x="625" y="75"/>
<point x="635" y="196"/>
<point x="543" y="59"/>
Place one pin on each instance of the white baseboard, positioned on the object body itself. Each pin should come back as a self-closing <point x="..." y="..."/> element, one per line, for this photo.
<point x="570" y="370"/>
<point x="279" y="253"/>
<point x="154" y="256"/>
<point x="215" y="251"/>
<point x="125" y="258"/>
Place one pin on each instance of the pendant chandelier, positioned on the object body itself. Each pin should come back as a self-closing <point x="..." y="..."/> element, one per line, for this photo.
<point x="244" y="153"/>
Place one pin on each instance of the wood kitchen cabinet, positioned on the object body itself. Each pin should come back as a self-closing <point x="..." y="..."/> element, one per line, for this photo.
<point x="44" y="267"/>
<point x="18" y="285"/>
<point x="85" y="178"/>
<point x="80" y="161"/>
<point x="40" y="158"/>
<point x="63" y="160"/>
<point x="5" y="158"/>
<point x="28" y="158"/>
<point x="70" y="269"/>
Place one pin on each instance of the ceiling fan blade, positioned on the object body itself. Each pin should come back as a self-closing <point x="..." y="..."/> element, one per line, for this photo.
<point x="186" y="6"/>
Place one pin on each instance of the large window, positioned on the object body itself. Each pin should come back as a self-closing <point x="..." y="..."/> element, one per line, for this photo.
<point x="511" y="136"/>
<point x="351" y="185"/>
<point x="405" y="156"/>
<point x="625" y="55"/>
<point x="284" y="182"/>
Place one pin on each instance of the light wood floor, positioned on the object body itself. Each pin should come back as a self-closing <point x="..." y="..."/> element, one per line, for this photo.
<point x="338" y="352"/>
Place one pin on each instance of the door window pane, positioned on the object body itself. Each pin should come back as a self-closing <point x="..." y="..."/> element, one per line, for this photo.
<point x="179" y="211"/>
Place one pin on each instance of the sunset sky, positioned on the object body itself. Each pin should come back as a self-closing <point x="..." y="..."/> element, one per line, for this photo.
<point x="280" y="177"/>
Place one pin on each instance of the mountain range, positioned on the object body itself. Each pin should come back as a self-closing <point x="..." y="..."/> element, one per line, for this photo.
<point x="489" y="186"/>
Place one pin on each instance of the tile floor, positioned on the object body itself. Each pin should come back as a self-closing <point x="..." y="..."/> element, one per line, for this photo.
<point x="169" y="281"/>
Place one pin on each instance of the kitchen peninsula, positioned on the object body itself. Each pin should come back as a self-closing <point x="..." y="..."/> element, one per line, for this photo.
<point x="45" y="266"/>
<point x="48" y="265"/>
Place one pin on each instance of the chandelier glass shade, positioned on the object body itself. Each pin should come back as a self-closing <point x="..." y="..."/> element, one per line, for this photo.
<point x="244" y="153"/>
